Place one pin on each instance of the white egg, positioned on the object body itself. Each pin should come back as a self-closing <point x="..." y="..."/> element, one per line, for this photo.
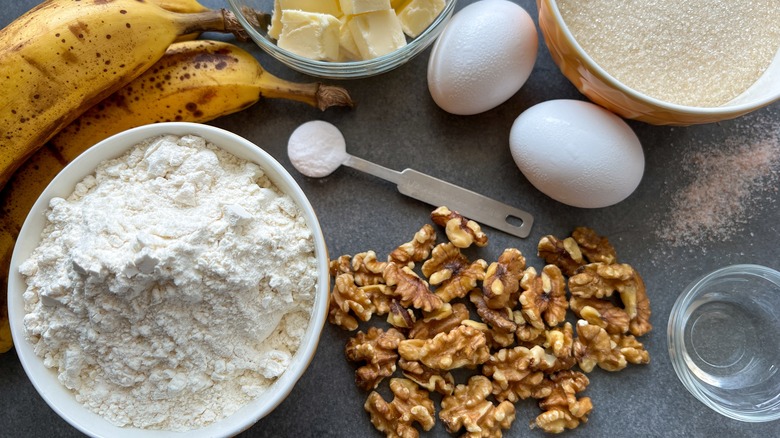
<point x="577" y="153"/>
<point x="483" y="57"/>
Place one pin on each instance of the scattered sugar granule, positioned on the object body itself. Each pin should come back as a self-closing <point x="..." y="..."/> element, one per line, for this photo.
<point x="717" y="203"/>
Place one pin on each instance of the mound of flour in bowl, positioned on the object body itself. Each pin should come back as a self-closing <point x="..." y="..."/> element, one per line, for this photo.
<point x="172" y="287"/>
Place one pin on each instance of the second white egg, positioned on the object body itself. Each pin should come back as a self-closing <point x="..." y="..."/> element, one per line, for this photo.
<point x="577" y="153"/>
<point x="483" y="57"/>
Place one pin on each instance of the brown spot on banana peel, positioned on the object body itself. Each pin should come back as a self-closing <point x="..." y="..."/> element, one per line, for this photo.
<point x="42" y="69"/>
<point x="79" y="29"/>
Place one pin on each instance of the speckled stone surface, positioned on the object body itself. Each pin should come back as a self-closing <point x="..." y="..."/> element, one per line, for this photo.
<point x="396" y="124"/>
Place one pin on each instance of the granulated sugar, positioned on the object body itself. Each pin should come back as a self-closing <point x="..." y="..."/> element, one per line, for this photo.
<point x="728" y="180"/>
<point x="695" y="52"/>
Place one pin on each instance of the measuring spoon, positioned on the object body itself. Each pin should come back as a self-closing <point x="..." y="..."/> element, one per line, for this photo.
<point x="317" y="149"/>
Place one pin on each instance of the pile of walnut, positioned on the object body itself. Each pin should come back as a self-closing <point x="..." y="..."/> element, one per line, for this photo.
<point x="522" y="346"/>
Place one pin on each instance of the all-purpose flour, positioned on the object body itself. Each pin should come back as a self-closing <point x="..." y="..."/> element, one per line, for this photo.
<point x="172" y="287"/>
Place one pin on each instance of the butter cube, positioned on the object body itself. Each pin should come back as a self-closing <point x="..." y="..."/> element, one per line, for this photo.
<point x="377" y="33"/>
<point x="417" y="15"/>
<point x="355" y="7"/>
<point x="348" y="50"/>
<point x="330" y="7"/>
<point x="275" y="28"/>
<point x="310" y="34"/>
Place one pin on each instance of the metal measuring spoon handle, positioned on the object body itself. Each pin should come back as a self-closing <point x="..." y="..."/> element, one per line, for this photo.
<point x="437" y="192"/>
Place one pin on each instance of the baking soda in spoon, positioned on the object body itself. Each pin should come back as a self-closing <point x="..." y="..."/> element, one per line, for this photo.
<point x="317" y="149"/>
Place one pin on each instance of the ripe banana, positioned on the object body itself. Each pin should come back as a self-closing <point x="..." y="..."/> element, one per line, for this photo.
<point x="17" y="197"/>
<point x="195" y="81"/>
<point x="181" y="6"/>
<point x="64" y="56"/>
<point x="6" y="244"/>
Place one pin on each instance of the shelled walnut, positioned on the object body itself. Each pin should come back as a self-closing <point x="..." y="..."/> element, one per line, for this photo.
<point x="633" y="350"/>
<point x="469" y="408"/>
<point x="602" y="313"/>
<point x="544" y="297"/>
<point x="410" y="289"/>
<point x="510" y="365"/>
<point x="441" y="320"/>
<point x="451" y="272"/>
<point x="348" y="299"/>
<point x="378" y="349"/>
<point x="460" y="231"/>
<point x="526" y="334"/>
<point x="463" y="346"/>
<point x="410" y="405"/>
<point x="364" y="268"/>
<point x="560" y="341"/>
<point x="594" y="346"/>
<point x="562" y="409"/>
<point x="495" y="338"/>
<point x="400" y="317"/>
<point x="417" y="249"/>
<point x="498" y="319"/>
<point x="599" y="280"/>
<point x="427" y="377"/>
<point x="565" y="254"/>
<point x="501" y="286"/>
<point x="595" y="248"/>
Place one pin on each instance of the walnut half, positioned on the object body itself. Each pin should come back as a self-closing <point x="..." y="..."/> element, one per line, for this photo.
<point x="462" y="347"/>
<point x="544" y="297"/>
<point x="460" y="231"/>
<point x="562" y="409"/>
<point x="378" y="349"/>
<point x="469" y="408"/>
<point x="410" y="405"/>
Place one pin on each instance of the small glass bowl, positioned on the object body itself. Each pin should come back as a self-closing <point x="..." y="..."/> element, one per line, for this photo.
<point x="724" y="341"/>
<point x="336" y="70"/>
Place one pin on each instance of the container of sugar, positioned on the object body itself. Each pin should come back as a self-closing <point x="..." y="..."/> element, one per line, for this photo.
<point x="664" y="62"/>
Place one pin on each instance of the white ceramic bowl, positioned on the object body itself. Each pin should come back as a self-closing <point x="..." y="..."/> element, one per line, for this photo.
<point x="336" y="70"/>
<point x="45" y="380"/>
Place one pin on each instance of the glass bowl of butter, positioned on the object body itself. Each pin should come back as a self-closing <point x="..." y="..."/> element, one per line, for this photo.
<point x="343" y="39"/>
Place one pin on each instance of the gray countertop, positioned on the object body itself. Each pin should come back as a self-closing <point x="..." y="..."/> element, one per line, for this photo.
<point x="396" y="124"/>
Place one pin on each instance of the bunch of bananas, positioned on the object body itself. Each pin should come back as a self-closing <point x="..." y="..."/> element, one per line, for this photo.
<point x="77" y="72"/>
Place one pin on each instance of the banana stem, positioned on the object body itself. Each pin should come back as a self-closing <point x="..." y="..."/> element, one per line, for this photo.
<point x="220" y="20"/>
<point x="315" y="94"/>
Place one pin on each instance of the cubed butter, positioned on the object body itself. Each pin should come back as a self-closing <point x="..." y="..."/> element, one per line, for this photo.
<point x="275" y="28"/>
<point x="355" y="7"/>
<point x="348" y="50"/>
<point x="310" y="34"/>
<point x="330" y="7"/>
<point x="417" y="15"/>
<point x="377" y="33"/>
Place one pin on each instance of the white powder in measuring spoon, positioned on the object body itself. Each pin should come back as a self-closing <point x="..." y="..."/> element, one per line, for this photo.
<point x="172" y="287"/>
<point x="317" y="149"/>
